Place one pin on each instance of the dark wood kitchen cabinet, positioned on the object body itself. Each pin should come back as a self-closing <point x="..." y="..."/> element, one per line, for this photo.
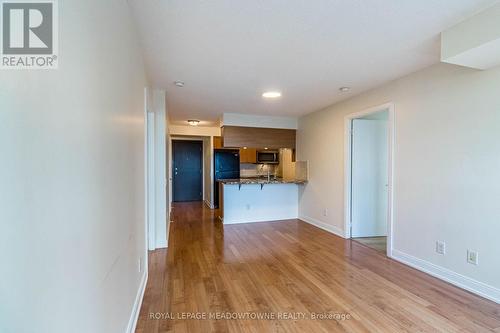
<point x="256" y="137"/>
<point x="248" y="155"/>
<point x="217" y="142"/>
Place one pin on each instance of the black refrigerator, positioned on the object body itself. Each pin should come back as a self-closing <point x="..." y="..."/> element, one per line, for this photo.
<point x="226" y="166"/>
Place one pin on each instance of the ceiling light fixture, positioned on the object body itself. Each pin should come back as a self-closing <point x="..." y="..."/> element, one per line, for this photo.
<point x="344" y="89"/>
<point x="271" y="94"/>
<point x="193" y="122"/>
<point x="179" y="84"/>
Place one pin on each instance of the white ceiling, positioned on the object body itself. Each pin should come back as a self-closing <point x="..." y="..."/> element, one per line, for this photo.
<point x="228" y="52"/>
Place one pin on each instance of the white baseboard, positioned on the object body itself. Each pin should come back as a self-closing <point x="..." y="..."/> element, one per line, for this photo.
<point x="447" y="275"/>
<point x="161" y="244"/>
<point x="132" y="323"/>
<point x="327" y="227"/>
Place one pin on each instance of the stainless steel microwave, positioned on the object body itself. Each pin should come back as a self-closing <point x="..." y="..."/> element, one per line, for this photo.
<point x="268" y="156"/>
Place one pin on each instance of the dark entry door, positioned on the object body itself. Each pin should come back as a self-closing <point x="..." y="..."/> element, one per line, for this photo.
<point x="187" y="170"/>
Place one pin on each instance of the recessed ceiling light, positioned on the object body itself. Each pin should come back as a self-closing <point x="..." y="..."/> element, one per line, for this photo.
<point x="179" y="84"/>
<point x="271" y="94"/>
<point x="193" y="122"/>
<point x="344" y="89"/>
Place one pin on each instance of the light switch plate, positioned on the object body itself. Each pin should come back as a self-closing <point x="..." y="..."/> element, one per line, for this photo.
<point x="440" y="247"/>
<point x="472" y="257"/>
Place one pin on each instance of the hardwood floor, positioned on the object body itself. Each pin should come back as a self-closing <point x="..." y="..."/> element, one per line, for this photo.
<point x="376" y="243"/>
<point x="277" y="268"/>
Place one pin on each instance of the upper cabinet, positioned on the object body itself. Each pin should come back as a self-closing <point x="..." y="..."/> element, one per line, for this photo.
<point x="256" y="137"/>
<point x="248" y="155"/>
<point x="217" y="142"/>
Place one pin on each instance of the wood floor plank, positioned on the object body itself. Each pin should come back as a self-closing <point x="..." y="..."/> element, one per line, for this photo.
<point x="290" y="267"/>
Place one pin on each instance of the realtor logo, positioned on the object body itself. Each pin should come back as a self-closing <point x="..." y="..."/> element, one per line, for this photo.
<point x="29" y="34"/>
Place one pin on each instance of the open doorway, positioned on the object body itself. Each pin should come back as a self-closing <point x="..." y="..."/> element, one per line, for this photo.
<point x="369" y="178"/>
<point x="187" y="165"/>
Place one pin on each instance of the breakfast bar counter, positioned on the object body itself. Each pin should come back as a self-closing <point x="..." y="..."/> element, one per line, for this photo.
<point x="247" y="200"/>
<point x="248" y="181"/>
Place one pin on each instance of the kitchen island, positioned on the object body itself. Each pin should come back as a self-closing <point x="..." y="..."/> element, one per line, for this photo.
<point x="247" y="200"/>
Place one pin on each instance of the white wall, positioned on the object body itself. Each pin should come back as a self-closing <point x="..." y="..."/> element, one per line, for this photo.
<point x="447" y="157"/>
<point x="72" y="217"/>
<point x="194" y="130"/>
<point x="208" y="174"/>
<point x="248" y="120"/>
<point x="159" y="179"/>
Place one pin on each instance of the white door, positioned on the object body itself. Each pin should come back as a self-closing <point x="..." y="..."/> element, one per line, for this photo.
<point x="369" y="192"/>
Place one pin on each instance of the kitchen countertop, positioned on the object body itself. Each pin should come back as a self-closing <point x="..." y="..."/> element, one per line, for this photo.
<point x="248" y="181"/>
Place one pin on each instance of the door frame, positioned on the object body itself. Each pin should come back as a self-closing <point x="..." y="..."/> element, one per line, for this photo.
<point x="172" y="162"/>
<point x="348" y="168"/>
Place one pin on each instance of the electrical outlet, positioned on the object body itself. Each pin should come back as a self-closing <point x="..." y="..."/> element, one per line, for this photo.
<point x="325" y="212"/>
<point x="472" y="257"/>
<point x="440" y="247"/>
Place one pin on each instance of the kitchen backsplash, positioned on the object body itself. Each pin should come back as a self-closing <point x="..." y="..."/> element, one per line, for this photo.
<point x="253" y="170"/>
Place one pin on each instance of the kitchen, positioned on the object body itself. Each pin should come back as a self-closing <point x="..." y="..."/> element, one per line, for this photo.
<point x="256" y="176"/>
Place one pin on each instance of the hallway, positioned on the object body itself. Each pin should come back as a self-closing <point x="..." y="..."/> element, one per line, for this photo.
<point x="292" y="270"/>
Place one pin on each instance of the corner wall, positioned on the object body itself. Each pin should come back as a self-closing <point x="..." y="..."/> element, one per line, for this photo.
<point x="159" y="179"/>
<point x="72" y="215"/>
<point x="446" y="180"/>
<point x="208" y="171"/>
